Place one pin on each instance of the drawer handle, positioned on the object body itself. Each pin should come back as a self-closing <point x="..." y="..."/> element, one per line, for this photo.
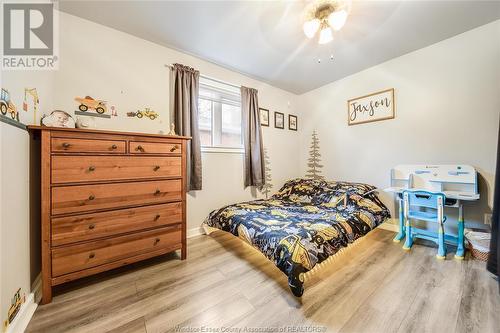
<point x="157" y="192"/>
<point x="157" y="241"/>
<point x="156" y="168"/>
<point x="139" y="148"/>
<point x="91" y="168"/>
<point x="174" y="148"/>
<point x="91" y="226"/>
<point x="91" y="197"/>
<point x="91" y="255"/>
<point x="114" y="147"/>
<point x="66" y="145"/>
<point x="157" y="217"/>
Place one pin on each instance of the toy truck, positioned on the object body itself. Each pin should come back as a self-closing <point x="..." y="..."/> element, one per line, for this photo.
<point x="90" y="103"/>
<point x="147" y="112"/>
<point x="6" y="105"/>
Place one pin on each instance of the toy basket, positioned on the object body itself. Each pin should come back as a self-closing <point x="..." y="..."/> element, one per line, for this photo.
<point x="478" y="243"/>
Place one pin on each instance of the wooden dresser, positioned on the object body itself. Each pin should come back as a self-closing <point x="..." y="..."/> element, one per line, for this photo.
<point x="108" y="199"/>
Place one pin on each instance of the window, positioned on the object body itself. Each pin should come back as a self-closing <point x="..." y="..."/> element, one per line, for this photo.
<point x="219" y="115"/>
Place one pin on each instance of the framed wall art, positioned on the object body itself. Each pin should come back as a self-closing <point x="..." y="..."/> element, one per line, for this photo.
<point x="279" y="120"/>
<point x="372" y="107"/>
<point x="264" y="117"/>
<point x="292" y="122"/>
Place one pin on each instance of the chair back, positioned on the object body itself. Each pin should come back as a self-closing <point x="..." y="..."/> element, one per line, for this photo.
<point x="425" y="199"/>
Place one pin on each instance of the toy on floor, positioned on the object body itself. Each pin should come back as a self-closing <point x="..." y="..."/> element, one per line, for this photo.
<point x="424" y="206"/>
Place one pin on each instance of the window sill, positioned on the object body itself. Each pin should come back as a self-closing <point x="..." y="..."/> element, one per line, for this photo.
<point x="222" y="150"/>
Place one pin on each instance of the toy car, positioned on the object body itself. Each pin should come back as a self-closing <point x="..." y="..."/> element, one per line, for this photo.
<point x="90" y="103"/>
<point x="147" y="112"/>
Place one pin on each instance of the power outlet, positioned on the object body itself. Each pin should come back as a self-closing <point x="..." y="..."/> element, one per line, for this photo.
<point x="487" y="219"/>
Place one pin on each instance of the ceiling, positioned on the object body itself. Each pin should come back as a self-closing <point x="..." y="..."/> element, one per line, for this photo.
<point x="264" y="39"/>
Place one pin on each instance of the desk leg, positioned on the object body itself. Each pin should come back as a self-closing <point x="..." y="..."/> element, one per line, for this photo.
<point x="460" y="246"/>
<point x="401" y="234"/>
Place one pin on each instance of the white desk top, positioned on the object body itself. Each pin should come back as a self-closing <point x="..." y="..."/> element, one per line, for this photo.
<point x="455" y="181"/>
<point x="449" y="194"/>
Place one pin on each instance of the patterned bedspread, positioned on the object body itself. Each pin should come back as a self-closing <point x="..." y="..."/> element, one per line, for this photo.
<point x="304" y="223"/>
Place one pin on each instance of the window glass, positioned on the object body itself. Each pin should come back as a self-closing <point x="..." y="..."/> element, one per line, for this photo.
<point x="205" y="121"/>
<point x="231" y="126"/>
<point x="219" y="115"/>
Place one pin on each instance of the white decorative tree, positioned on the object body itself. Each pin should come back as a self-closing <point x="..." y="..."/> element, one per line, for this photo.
<point x="313" y="162"/>
<point x="266" y="188"/>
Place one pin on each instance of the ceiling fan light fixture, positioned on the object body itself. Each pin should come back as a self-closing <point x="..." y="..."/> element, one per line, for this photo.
<point x="325" y="35"/>
<point x="325" y="16"/>
<point x="311" y="27"/>
<point x="336" y="20"/>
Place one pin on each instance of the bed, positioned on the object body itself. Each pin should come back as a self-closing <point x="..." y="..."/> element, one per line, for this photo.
<point x="303" y="224"/>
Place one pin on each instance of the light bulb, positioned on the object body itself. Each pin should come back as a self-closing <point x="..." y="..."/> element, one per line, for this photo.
<point x="310" y="27"/>
<point x="337" y="19"/>
<point x="325" y="35"/>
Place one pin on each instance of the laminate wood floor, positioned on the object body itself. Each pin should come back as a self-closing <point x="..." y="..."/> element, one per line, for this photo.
<point x="225" y="286"/>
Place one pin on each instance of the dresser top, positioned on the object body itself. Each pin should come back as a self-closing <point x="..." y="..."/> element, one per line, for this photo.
<point x="82" y="130"/>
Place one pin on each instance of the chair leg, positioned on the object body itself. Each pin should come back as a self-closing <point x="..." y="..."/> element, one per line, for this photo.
<point x="409" y="236"/>
<point x="460" y="246"/>
<point x="441" y="246"/>
<point x="401" y="234"/>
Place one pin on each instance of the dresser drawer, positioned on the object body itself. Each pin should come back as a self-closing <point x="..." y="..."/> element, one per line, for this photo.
<point x="84" y="198"/>
<point x="80" y="257"/>
<point x="68" y="145"/>
<point x="144" y="148"/>
<point x="71" y="169"/>
<point x="72" y="229"/>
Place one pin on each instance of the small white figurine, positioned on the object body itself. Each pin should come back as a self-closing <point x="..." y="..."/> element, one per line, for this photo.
<point x="85" y="122"/>
<point x="172" y="129"/>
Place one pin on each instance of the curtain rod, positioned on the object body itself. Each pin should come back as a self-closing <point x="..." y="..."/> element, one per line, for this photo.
<point x="212" y="79"/>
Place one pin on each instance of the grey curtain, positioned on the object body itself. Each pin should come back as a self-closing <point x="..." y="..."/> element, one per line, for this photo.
<point x="184" y="91"/>
<point x="252" y="138"/>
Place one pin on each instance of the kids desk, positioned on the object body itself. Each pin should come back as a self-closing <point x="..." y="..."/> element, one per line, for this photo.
<point x="457" y="182"/>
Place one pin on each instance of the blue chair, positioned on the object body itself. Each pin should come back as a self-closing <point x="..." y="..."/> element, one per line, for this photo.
<point x="424" y="206"/>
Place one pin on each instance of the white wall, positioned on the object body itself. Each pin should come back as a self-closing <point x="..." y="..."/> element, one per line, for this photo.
<point x="14" y="220"/>
<point x="18" y="269"/>
<point x="129" y="73"/>
<point x="447" y="111"/>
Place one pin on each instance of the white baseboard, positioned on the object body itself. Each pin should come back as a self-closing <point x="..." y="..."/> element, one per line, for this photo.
<point x="23" y="318"/>
<point x="390" y="224"/>
<point x="195" y="232"/>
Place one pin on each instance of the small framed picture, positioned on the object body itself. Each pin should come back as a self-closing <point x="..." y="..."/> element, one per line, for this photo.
<point x="292" y="122"/>
<point x="264" y="117"/>
<point x="279" y="120"/>
<point x="58" y="118"/>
